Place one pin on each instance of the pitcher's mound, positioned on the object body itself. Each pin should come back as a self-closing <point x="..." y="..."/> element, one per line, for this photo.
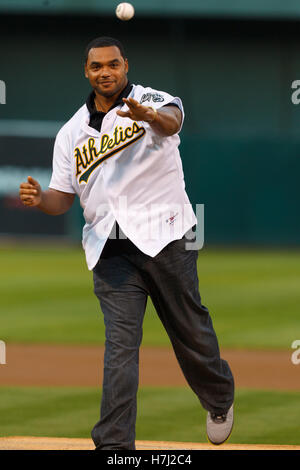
<point x="62" y="443"/>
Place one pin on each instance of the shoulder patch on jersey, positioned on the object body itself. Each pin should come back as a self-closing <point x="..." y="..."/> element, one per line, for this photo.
<point x="155" y="97"/>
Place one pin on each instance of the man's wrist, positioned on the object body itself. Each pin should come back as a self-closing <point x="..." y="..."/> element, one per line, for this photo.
<point x="154" y="115"/>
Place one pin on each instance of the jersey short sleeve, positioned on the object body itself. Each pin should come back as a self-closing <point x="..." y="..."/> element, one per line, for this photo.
<point x="158" y="99"/>
<point x="61" y="179"/>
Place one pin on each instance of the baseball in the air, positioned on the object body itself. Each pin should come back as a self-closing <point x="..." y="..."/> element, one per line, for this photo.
<point x="125" y="11"/>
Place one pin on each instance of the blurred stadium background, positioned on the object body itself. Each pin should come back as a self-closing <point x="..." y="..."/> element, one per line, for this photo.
<point x="233" y="64"/>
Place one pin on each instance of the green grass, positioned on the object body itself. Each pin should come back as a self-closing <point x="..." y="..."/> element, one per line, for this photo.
<point x="261" y="417"/>
<point x="47" y="296"/>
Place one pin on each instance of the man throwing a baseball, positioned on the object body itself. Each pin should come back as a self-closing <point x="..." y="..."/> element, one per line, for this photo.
<point x="119" y="154"/>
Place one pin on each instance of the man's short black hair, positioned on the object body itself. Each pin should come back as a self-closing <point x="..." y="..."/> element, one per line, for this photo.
<point x="104" y="42"/>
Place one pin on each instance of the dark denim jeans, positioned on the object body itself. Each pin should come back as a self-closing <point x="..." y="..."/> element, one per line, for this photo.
<point x="123" y="279"/>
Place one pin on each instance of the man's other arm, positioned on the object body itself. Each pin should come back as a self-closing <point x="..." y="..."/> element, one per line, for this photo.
<point x="51" y="202"/>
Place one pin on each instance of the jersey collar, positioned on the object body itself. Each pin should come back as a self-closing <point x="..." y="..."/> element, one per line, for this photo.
<point x="96" y="117"/>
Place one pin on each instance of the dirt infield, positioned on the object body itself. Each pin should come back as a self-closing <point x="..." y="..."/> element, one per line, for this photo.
<point x="45" y="365"/>
<point x="61" y="443"/>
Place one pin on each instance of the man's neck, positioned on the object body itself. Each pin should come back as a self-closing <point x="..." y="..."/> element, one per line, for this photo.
<point x="104" y="103"/>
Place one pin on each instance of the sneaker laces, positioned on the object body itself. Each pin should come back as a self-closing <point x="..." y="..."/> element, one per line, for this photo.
<point x="218" y="418"/>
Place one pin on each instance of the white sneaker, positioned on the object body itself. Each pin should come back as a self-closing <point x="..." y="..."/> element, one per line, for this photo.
<point x="219" y="427"/>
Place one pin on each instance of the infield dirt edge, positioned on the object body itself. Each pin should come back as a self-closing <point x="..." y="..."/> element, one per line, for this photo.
<point x="61" y="443"/>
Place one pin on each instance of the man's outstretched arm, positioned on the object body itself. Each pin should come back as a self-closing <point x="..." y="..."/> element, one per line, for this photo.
<point x="166" y="120"/>
<point x="51" y="202"/>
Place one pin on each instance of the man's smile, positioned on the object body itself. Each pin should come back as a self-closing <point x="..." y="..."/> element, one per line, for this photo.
<point x="106" y="82"/>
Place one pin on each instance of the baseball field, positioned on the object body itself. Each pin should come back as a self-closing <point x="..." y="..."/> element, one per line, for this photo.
<point x="53" y="329"/>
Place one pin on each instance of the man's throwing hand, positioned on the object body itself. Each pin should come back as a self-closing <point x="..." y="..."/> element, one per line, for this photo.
<point x="30" y="192"/>
<point x="137" y="112"/>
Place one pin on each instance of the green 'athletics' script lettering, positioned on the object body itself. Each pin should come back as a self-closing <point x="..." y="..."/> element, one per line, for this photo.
<point x="88" y="157"/>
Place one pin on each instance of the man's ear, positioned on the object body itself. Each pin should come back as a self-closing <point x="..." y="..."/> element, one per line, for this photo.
<point x="85" y="71"/>
<point x="126" y="65"/>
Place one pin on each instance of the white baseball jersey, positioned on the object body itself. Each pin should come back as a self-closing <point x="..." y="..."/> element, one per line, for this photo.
<point x="127" y="173"/>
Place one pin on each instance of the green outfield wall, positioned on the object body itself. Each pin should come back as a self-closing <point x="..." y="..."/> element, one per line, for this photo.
<point x="240" y="141"/>
<point x="171" y="8"/>
<point x="249" y="187"/>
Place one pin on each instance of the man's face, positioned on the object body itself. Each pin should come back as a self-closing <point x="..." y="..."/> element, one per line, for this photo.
<point x="106" y="70"/>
